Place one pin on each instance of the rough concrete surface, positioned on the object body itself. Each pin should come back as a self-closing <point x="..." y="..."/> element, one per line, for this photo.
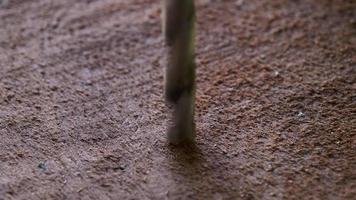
<point x="82" y="113"/>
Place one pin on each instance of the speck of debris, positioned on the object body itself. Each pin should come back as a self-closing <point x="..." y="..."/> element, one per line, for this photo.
<point x="268" y="167"/>
<point x="122" y="167"/>
<point x="300" y="114"/>
<point x="43" y="166"/>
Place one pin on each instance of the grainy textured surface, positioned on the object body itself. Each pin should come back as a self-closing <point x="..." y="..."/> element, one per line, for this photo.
<point x="82" y="113"/>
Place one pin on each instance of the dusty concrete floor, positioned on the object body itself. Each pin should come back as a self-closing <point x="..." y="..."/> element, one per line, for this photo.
<point x="82" y="116"/>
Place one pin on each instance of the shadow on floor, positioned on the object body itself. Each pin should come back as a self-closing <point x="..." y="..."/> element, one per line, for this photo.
<point x="194" y="174"/>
